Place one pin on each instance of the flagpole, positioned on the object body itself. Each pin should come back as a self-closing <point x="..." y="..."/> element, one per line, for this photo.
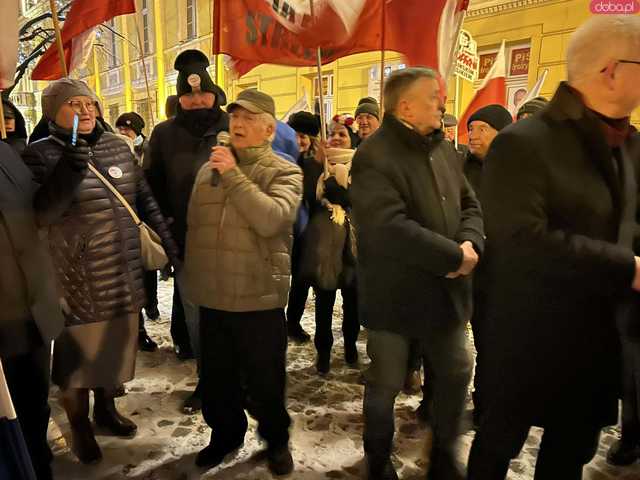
<point x="3" y="128"/>
<point x="323" y="120"/>
<point x="56" y="26"/>
<point x="456" y="105"/>
<point x="144" y="69"/>
<point x="382" y="55"/>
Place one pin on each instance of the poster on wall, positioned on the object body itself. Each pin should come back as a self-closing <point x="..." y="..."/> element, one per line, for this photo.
<point x="373" y="89"/>
<point x="515" y="95"/>
<point x="467" y="61"/>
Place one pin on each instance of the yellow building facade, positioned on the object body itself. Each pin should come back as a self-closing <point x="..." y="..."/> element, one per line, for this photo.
<point x="536" y="34"/>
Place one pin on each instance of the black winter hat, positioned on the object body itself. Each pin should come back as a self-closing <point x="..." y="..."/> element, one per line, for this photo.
<point x="131" y="120"/>
<point x="533" y="106"/>
<point x="305" y="122"/>
<point x="495" y="115"/>
<point x="368" y="105"/>
<point x="193" y="76"/>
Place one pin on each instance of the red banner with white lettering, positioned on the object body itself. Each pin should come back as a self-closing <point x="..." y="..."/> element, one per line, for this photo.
<point x="285" y="32"/>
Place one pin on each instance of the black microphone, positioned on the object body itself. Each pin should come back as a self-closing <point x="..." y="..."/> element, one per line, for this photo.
<point x="224" y="140"/>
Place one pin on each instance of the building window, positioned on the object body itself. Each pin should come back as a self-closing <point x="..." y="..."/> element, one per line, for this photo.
<point x="191" y="19"/>
<point x="114" y="113"/>
<point x="142" y="108"/>
<point x="327" y="92"/>
<point x="146" y="29"/>
<point x="112" y="47"/>
<point x="28" y="5"/>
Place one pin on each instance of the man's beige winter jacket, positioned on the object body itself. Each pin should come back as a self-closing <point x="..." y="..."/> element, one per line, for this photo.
<point x="239" y="234"/>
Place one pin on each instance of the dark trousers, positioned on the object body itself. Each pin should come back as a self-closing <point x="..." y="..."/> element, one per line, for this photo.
<point x="564" y="450"/>
<point x="243" y="355"/>
<point x="631" y="391"/>
<point x="299" y="290"/>
<point x="179" y="332"/>
<point x="448" y="361"/>
<point x="150" y="280"/>
<point x="325" y="300"/>
<point x="478" y="328"/>
<point x="28" y="380"/>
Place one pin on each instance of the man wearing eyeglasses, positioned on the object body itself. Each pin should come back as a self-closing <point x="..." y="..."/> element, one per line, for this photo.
<point x="237" y="268"/>
<point x="559" y="196"/>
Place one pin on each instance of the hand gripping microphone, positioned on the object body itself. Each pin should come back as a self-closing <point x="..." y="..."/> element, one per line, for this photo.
<point x="224" y="140"/>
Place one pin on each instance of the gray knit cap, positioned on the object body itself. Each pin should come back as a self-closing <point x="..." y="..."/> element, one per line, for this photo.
<point x="368" y="105"/>
<point x="58" y="92"/>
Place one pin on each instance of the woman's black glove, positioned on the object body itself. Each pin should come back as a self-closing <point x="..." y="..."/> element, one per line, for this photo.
<point x="78" y="156"/>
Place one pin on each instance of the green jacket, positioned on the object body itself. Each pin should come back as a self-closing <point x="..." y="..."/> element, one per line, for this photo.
<point x="239" y="233"/>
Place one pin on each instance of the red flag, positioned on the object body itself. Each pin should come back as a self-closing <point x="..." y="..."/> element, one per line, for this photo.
<point x="492" y="90"/>
<point x="284" y="32"/>
<point x="77" y="33"/>
<point x="425" y="35"/>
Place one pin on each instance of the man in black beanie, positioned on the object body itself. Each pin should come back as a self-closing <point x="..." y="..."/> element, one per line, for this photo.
<point x="483" y="127"/>
<point x="178" y="147"/>
<point x="532" y="107"/>
<point x="131" y="124"/>
<point x="367" y="116"/>
<point x="15" y="126"/>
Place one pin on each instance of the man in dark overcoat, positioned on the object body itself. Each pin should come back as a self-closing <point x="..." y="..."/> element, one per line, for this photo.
<point x="30" y="317"/>
<point x="419" y="232"/>
<point x="559" y="196"/>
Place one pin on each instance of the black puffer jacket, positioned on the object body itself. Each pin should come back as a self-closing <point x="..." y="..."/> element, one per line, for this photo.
<point x="93" y="240"/>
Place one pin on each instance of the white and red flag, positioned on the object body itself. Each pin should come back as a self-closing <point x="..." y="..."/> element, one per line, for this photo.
<point x="78" y="33"/>
<point x="533" y="93"/>
<point x="492" y="90"/>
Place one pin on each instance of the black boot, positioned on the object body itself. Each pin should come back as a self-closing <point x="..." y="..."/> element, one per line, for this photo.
<point x="83" y="442"/>
<point x="351" y="355"/>
<point x="152" y="312"/>
<point x="144" y="341"/>
<point x="280" y="461"/>
<point x="193" y="404"/>
<point x="323" y="363"/>
<point x="622" y="453"/>
<point x="444" y="466"/>
<point x="296" y="333"/>
<point x="379" y="469"/>
<point x="213" y="454"/>
<point x="106" y="416"/>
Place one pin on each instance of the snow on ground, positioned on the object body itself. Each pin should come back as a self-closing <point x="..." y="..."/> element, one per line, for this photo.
<point x="326" y="433"/>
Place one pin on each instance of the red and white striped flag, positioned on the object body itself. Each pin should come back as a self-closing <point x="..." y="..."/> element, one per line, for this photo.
<point x="78" y="33"/>
<point x="8" y="42"/>
<point x="492" y="90"/>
